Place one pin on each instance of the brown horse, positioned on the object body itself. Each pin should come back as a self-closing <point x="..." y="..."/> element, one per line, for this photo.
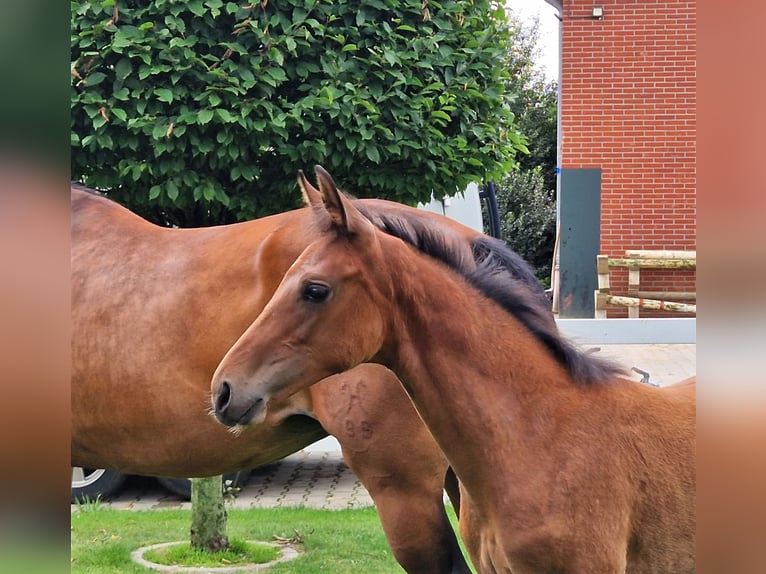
<point x="563" y="466"/>
<point x="154" y="310"/>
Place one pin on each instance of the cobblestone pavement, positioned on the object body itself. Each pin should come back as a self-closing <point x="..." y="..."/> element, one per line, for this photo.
<point x="319" y="478"/>
<point x="310" y="478"/>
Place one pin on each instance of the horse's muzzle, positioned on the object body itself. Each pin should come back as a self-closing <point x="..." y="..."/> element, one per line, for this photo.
<point x="232" y="412"/>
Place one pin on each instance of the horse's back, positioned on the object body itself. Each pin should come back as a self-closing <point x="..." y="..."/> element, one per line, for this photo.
<point x="690" y="382"/>
<point x="682" y="400"/>
<point x="89" y="207"/>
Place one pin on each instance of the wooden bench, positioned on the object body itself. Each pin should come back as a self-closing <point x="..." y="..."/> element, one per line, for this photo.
<point x="635" y="260"/>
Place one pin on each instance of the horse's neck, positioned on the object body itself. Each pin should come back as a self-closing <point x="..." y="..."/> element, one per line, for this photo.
<point x="483" y="384"/>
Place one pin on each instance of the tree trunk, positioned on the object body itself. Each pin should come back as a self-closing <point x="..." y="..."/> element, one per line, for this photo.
<point x="208" y="528"/>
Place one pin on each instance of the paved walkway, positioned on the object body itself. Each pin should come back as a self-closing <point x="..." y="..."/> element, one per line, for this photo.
<point x="310" y="478"/>
<point x="319" y="478"/>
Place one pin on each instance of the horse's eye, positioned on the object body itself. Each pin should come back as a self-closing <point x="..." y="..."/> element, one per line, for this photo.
<point x="315" y="292"/>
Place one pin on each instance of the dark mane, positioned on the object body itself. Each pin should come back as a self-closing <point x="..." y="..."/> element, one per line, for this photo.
<point x="503" y="276"/>
<point x="450" y="249"/>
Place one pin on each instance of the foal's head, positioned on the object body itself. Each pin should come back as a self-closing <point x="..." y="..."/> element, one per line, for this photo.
<point x="325" y="318"/>
<point x="331" y="310"/>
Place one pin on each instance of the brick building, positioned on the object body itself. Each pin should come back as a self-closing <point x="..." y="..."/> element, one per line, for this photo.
<point x="627" y="141"/>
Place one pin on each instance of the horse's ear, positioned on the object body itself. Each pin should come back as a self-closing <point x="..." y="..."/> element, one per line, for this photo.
<point x="311" y="195"/>
<point x="342" y="212"/>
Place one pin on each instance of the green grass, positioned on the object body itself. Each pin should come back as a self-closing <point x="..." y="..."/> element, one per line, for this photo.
<point x="239" y="552"/>
<point x="340" y="542"/>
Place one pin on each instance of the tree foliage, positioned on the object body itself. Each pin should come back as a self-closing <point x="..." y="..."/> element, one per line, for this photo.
<point x="534" y="103"/>
<point x="528" y="218"/>
<point x="202" y="111"/>
<point x="527" y="195"/>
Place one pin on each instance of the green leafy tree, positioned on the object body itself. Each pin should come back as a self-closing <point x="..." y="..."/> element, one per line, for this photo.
<point x="537" y="121"/>
<point x="198" y="112"/>
<point x="527" y="195"/>
<point x="534" y="103"/>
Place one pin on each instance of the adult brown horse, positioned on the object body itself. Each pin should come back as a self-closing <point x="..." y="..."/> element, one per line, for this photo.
<point x="563" y="466"/>
<point x="154" y="310"/>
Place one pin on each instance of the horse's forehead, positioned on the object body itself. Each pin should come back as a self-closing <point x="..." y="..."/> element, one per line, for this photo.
<point x="332" y="257"/>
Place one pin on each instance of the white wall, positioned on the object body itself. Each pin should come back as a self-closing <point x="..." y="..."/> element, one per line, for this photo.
<point x="464" y="208"/>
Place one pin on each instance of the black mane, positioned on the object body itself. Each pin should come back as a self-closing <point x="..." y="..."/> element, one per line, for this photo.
<point x="503" y="276"/>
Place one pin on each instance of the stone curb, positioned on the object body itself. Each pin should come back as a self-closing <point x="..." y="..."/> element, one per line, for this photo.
<point x="288" y="553"/>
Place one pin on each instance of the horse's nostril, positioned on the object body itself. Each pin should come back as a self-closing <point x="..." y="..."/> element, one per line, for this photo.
<point x="224" y="397"/>
<point x="240" y="410"/>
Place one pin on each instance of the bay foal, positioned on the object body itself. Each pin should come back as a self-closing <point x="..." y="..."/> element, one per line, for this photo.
<point x="564" y="466"/>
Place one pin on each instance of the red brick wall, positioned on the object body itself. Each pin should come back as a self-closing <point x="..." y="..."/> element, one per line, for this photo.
<point x="628" y="107"/>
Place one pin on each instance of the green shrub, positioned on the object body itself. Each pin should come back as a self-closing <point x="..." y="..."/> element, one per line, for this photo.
<point x="528" y="218"/>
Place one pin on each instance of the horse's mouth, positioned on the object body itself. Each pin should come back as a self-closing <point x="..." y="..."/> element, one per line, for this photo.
<point x="258" y="407"/>
<point x="253" y="414"/>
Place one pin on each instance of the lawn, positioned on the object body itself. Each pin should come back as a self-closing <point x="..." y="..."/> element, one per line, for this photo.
<point x="341" y="541"/>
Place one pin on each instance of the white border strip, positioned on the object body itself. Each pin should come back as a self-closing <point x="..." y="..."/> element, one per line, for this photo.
<point x="631" y="331"/>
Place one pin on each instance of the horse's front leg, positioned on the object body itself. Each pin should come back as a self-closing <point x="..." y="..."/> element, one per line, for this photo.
<point x="388" y="447"/>
<point x="415" y="521"/>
